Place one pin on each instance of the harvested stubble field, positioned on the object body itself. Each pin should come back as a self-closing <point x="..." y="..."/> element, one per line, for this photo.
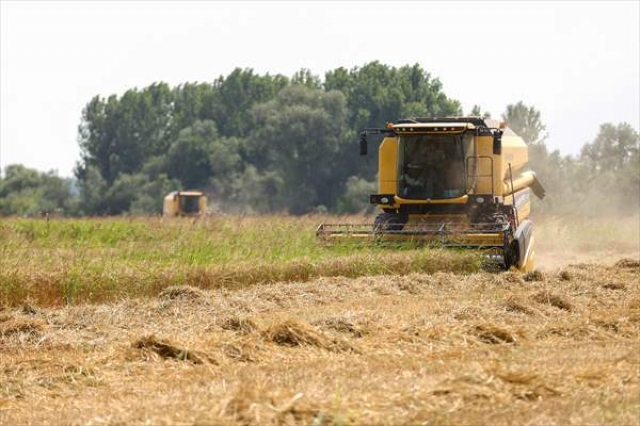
<point x="390" y="344"/>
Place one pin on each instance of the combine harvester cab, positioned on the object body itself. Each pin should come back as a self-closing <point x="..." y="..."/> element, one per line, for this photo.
<point x="184" y="204"/>
<point x="452" y="182"/>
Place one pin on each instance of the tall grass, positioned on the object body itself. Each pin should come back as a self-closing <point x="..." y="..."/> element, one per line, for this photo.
<point x="94" y="260"/>
<point x="70" y="261"/>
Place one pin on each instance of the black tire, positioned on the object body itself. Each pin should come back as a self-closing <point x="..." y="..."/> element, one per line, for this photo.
<point x="511" y="256"/>
<point x="389" y="222"/>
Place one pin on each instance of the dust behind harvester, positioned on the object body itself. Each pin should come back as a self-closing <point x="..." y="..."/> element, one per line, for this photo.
<point x="453" y="182"/>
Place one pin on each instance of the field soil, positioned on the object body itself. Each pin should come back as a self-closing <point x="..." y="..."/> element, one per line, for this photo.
<point x="559" y="347"/>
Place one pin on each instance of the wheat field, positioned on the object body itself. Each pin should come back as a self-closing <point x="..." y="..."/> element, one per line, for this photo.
<point x="437" y="342"/>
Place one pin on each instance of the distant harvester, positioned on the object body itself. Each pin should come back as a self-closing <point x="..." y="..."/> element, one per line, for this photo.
<point x="184" y="203"/>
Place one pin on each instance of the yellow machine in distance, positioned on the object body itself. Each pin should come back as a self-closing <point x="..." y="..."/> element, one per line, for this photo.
<point x="455" y="182"/>
<point x="184" y="203"/>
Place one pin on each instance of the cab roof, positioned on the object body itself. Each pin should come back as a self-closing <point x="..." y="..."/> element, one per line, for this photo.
<point x="185" y="193"/>
<point x="476" y="121"/>
<point x="456" y="124"/>
<point x="435" y="126"/>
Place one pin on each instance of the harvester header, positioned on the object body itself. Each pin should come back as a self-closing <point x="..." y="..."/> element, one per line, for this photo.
<point x="451" y="181"/>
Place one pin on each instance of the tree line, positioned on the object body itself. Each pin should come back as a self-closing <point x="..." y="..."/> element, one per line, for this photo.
<point x="270" y="143"/>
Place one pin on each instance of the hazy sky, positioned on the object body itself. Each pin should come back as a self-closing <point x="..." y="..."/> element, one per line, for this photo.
<point x="577" y="62"/>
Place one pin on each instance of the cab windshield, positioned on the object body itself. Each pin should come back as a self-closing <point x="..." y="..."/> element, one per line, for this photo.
<point x="189" y="204"/>
<point x="433" y="166"/>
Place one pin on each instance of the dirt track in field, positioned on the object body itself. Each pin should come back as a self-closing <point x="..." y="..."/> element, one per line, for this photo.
<point x="558" y="347"/>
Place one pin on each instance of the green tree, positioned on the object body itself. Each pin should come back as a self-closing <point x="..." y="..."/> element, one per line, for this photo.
<point x="150" y="196"/>
<point x="200" y="158"/>
<point x="476" y="111"/>
<point x="226" y="163"/>
<point x="238" y="92"/>
<point x="193" y="102"/>
<point x="253" y="191"/>
<point x="613" y="148"/>
<point x="299" y="135"/>
<point x="124" y="192"/>
<point x="25" y="191"/>
<point x="611" y="163"/>
<point x="376" y="94"/>
<point x="93" y="188"/>
<point x="355" y="198"/>
<point x="263" y="128"/>
<point x="117" y="135"/>
<point x="526" y="122"/>
<point x="306" y="78"/>
<point x="188" y="157"/>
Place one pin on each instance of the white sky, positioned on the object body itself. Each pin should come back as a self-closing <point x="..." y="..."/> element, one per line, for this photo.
<point x="577" y="62"/>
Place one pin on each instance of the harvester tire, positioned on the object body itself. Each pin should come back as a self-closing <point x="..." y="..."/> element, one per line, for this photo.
<point x="520" y="252"/>
<point x="389" y="222"/>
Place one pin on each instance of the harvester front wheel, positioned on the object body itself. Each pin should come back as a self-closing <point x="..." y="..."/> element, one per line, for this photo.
<point x="389" y="222"/>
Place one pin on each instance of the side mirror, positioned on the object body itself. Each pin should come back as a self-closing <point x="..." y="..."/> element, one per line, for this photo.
<point x="363" y="143"/>
<point x="497" y="142"/>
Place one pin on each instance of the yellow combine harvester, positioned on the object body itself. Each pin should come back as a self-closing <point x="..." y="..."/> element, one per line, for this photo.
<point x="453" y="182"/>
<point x="184" y="203"/>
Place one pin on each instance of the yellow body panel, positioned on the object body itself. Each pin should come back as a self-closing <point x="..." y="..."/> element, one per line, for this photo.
<point x="516" y="154"/>
<point x="486" y="163"/>
<point x="388" y="166"/>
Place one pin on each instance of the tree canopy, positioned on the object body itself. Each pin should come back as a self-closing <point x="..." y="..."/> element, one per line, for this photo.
<point x="269" y="143"/>
<point x="245" y="137"/>
<point x="26" y="191"/>
<point x="526" y="122"/>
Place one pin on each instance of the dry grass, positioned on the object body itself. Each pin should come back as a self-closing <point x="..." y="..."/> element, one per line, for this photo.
<point x="166" y="349"/>
<point x="489" y="333"/>
<point x="345" y="324"/>
<point x="181" y="292"/>
<point x="628" y="263"/>
<point x="436" y="348"/>
<point x="239" y="324"/>
<point x="554" y="300"/>
<point x="295" y="333"/>
<point x="20" y="326"/>
<point x="514" y="304"/>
